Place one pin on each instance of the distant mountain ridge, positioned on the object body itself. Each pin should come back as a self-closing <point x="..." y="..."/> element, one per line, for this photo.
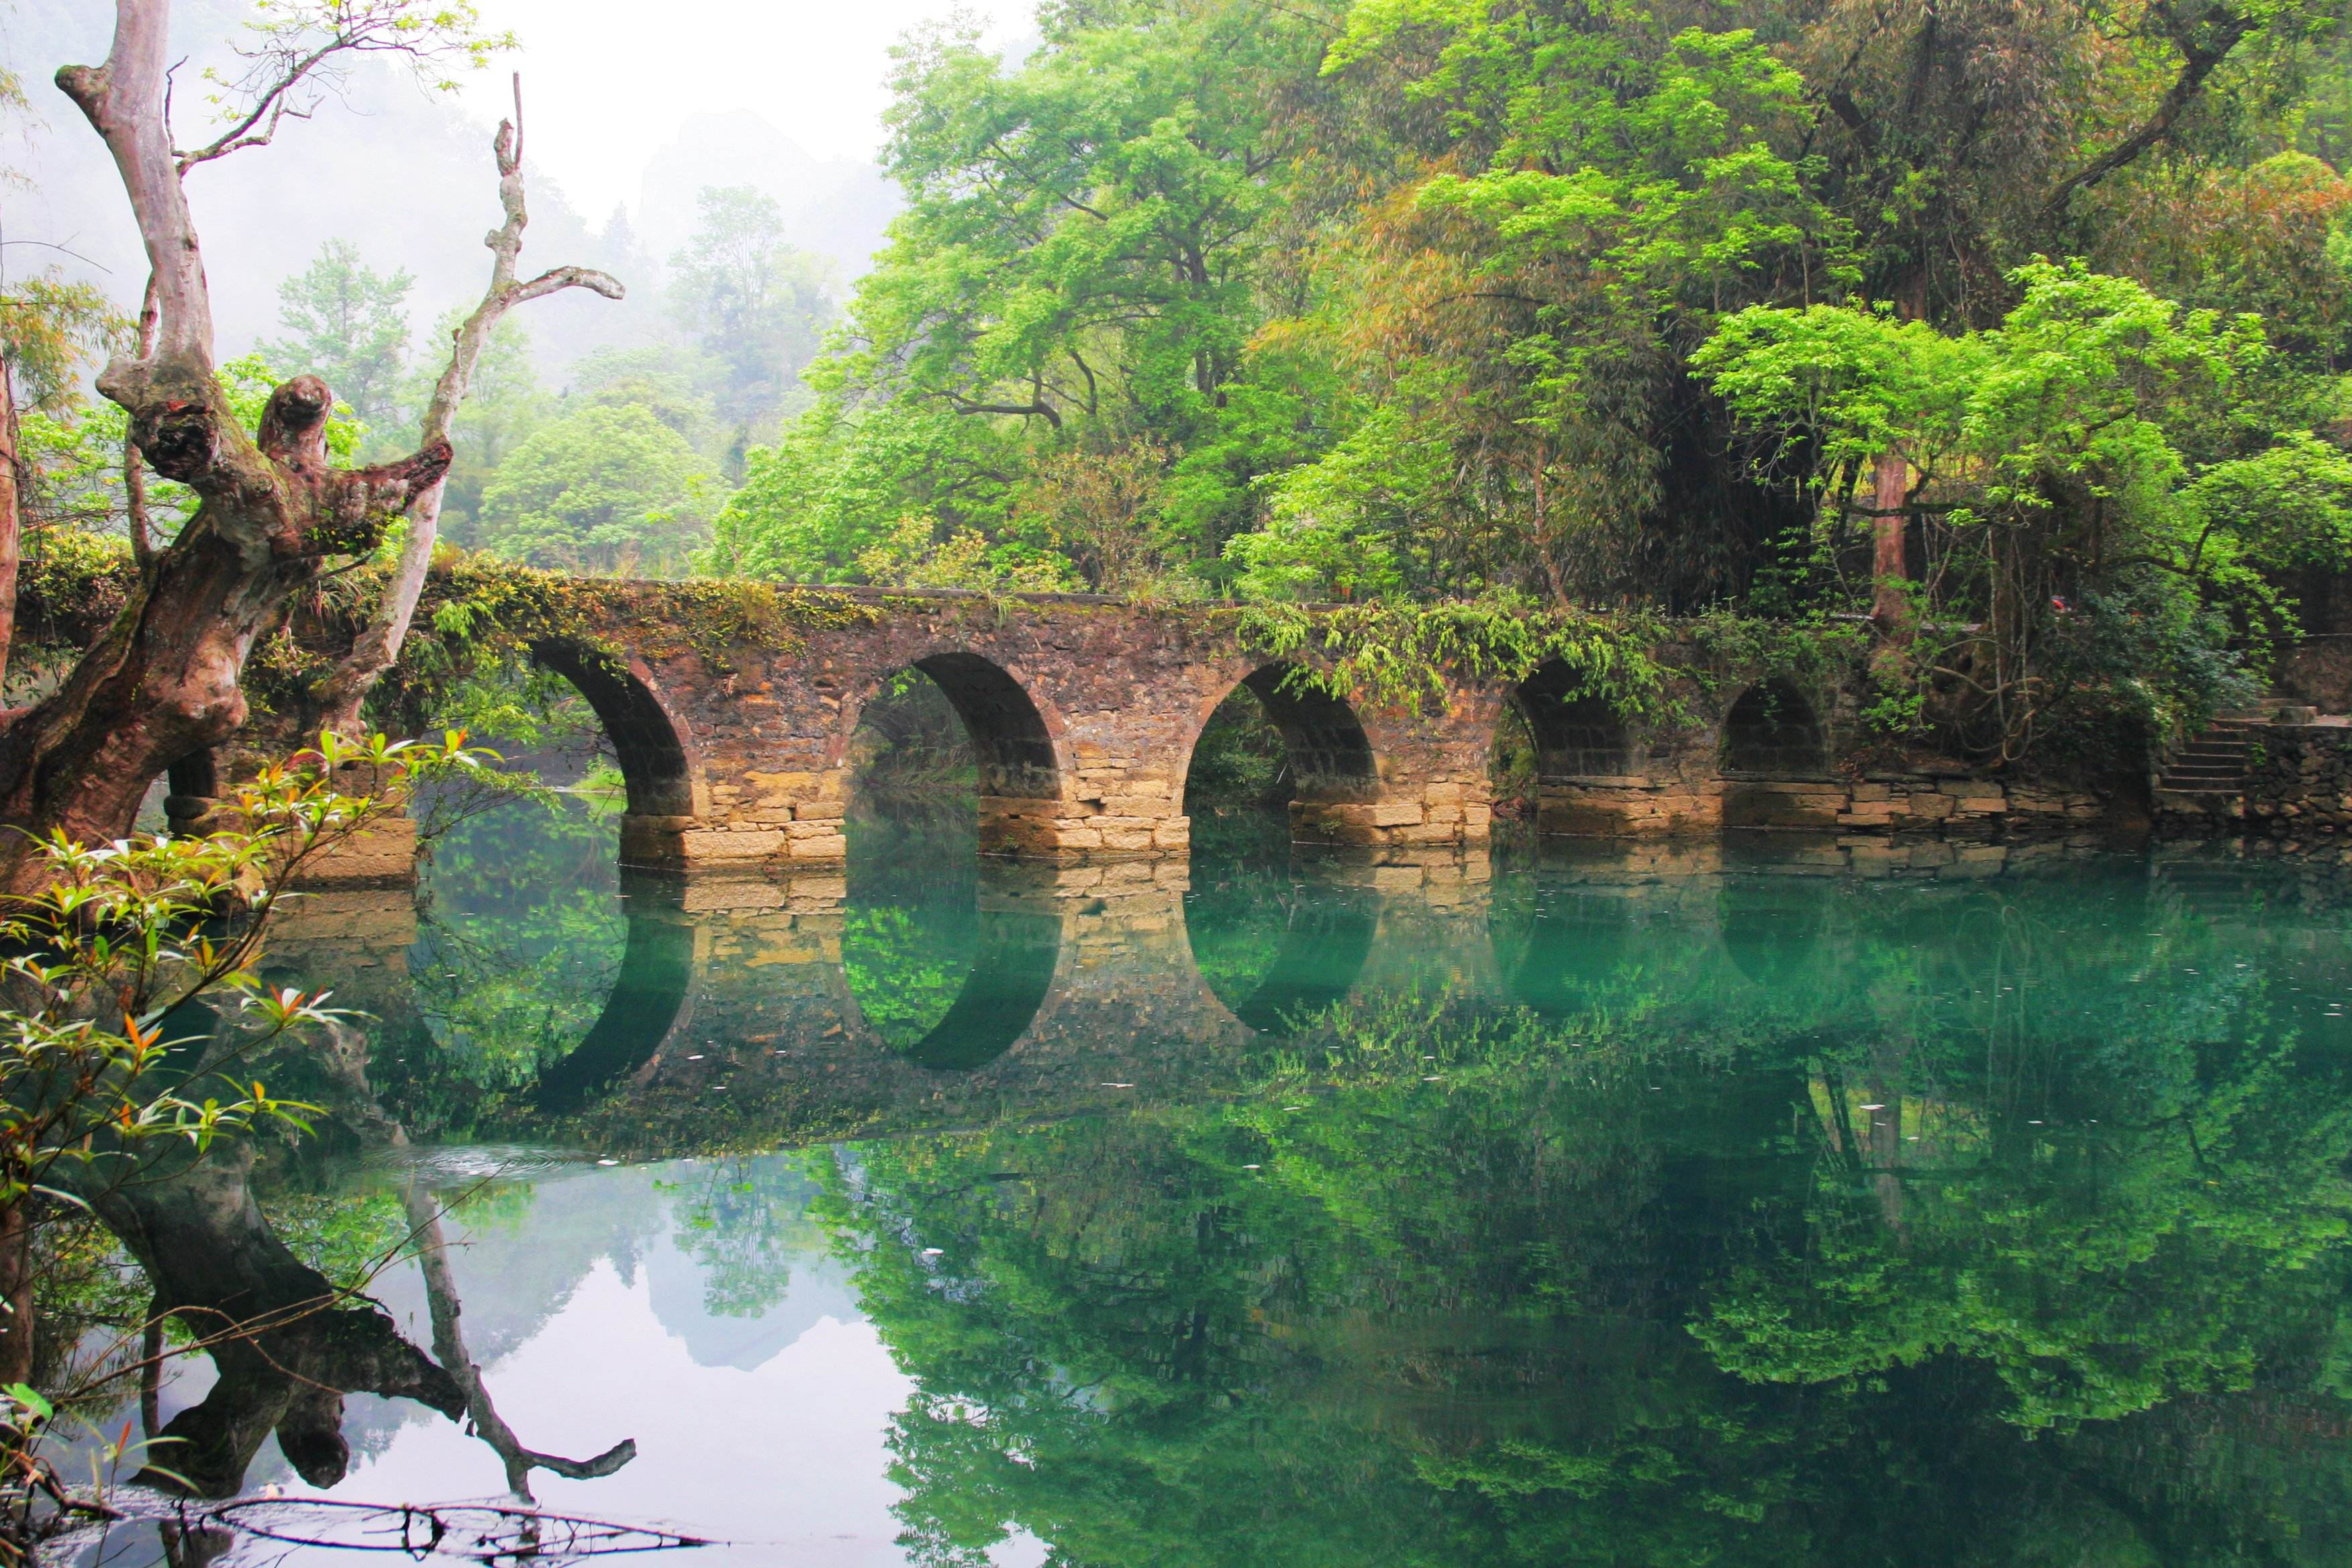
<point x="838" y="208"/>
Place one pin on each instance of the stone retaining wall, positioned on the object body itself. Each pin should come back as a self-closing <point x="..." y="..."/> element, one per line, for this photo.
<point x="1954" y="807"/>
<point x="2299" y="780"/>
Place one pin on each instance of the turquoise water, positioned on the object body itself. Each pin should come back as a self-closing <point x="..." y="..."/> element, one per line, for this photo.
<point x="1714" y="1205"/>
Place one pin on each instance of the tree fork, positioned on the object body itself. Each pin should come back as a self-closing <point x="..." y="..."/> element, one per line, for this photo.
<point x="164" y="681"/>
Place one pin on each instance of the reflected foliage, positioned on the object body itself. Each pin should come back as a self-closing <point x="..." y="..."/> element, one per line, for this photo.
<point x="911" y="932"/>
<point x="1882" y="1241"/>
<point x="1612" y="1212"/>
<point x="519" y="944"/>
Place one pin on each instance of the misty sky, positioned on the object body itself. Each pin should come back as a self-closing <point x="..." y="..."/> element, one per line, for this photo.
<point x="609" y="89"/>
<point x="608" y="81"/>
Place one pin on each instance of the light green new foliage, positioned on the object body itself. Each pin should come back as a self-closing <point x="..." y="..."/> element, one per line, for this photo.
<point x="606" y="489"/>
<point x="2117" y="427"/>
<point x="2122" y="479"/>
<point x="1337" y="529"/>
<point x="348" y="324"/>
<point x="1079" y="269"/>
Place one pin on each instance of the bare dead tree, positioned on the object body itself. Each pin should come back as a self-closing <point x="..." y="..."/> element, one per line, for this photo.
<point x="164" y="681"/>
<point x="378" y="645"/>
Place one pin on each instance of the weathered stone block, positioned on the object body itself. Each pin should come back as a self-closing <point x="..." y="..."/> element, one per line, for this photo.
<point x="726" y="844"/>
<point x="821" y="847"/>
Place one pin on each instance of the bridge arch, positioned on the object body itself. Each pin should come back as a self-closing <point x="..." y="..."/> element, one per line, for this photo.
<point x="1577" y="732"/>
<point x="1328" y="764"/>
<point x="1011" y="738"/>
<point x="650" y="744"/>
<point x="1019" y="770"/>
<point x="1773" y="732"/>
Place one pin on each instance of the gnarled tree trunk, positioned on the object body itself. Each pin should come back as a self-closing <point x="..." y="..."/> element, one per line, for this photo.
<point x="163" y="680"/>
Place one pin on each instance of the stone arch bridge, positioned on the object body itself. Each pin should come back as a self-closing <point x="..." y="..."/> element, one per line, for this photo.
<point x="1084" y="713"/>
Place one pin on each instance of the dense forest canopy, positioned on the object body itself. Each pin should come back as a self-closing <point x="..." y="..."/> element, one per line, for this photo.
<point x="1407" y="298"/>
<point x="2021" y="328"/>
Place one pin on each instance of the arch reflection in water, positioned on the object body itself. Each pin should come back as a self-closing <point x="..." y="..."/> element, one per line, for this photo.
<point x="1772" y="926"/>
<point x="1276" y="942"/>
<point x="648" y="1002"/>
<point x="942" y="958"/>
<point x="1564" y="938"/>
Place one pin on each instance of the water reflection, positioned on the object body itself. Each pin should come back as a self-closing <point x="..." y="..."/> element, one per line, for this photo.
<point x="1276" y="946"/>
<point x="1644" y="1206"/>
<point x="947" y="963"/>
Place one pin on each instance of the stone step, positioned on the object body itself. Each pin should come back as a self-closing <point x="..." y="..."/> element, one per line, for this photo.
<point x="2194" y="801"/>
<point x="2207" y="776"/>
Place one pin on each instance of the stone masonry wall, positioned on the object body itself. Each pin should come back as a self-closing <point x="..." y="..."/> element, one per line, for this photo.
<point x="1084" y="713"/>
<point x="2299" y="780"/>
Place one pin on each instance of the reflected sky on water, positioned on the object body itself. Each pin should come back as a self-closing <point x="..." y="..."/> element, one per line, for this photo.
<point x="1749" y="1204"/>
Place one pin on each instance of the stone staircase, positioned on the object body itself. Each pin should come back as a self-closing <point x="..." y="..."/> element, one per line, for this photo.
<point x="2208" y="775"/>
<point x="2215" y="887"/>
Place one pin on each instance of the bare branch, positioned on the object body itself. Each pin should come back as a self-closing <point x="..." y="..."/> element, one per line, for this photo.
<point x="378" y="646"/>
<point x="123" y="100"/>
<point x="299" y="51"/>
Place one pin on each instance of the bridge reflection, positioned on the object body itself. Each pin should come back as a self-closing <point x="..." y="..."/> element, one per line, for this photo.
<point x="781" y="1010"/>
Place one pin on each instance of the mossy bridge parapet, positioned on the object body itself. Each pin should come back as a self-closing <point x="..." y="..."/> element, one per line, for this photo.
<point x="732" y="711"/>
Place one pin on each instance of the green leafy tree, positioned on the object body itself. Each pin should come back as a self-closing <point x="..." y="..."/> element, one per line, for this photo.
<point x="1081" y="265"/>
<point x="756" y="307"/>
<point x="2108" y="471"/>
<point x="348" y="324"/>
<point x="606" y="489"/>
